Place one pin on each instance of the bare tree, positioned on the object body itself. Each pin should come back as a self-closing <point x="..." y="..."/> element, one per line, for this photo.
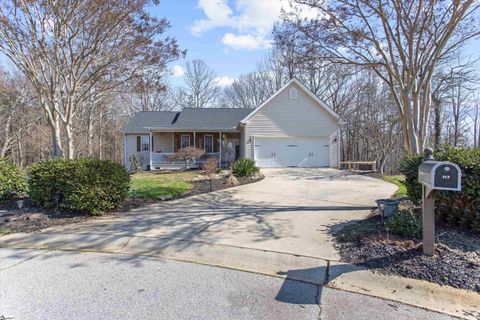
<point x="248" y="91"/>
<point x="401" y="41"/>
<point x="476" y="121"/>
<point x="201" y="88"/>
<point x="15" y="100"/>
<point x="74" y="49"/>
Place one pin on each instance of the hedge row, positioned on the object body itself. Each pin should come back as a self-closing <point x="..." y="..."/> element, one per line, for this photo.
<point x="83" y="184"/>
<point x="12" y="181"/>
<point x="458" y="208"/>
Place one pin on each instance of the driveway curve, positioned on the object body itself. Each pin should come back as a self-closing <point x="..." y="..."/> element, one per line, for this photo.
<point x="279" y="226"/>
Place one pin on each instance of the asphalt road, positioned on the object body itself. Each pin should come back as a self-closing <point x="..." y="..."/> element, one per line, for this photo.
<point x="53" y="285"/>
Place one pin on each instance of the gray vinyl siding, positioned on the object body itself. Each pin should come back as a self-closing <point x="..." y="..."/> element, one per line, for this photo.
<point x="163" y="141"/>
<point x="285" y="117"/>
<point x="131" y="148"/>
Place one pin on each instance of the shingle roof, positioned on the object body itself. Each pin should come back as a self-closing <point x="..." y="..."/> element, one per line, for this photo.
<point x="217" y="119"/>
<point x="147" y="119"/>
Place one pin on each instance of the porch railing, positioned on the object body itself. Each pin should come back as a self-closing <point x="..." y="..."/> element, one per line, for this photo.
<point x="164" y="157"/>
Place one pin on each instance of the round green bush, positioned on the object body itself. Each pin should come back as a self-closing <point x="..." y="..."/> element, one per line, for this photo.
<point x="244" y="168"/>
<point x="405" y="223"/>
<point x="458" y="208"/>
<point x="12" y="181"/>
<point x="83" y="184"/>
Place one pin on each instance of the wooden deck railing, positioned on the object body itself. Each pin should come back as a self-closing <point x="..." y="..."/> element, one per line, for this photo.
<point x="355" y="165"/>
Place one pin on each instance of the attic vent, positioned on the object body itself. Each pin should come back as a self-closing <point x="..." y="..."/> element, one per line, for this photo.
<point x="292" y="93"/>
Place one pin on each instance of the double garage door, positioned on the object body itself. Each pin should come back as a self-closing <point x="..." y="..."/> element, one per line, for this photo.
<point x="292" y="152"/>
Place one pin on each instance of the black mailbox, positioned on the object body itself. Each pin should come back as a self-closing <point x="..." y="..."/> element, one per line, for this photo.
<point x="440" y="175"/>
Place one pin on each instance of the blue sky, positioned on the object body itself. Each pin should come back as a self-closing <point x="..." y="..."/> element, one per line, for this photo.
<point x="231" y="36"/>
<point x="207" y="45"/>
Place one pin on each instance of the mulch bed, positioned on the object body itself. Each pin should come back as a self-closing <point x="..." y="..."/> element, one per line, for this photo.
<point x="221" y="182"/>
<point x="32" y="218"/>
<point x="456" y="262"/>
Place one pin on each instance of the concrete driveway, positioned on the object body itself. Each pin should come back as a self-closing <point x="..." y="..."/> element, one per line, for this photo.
<point x="279" y="226"/>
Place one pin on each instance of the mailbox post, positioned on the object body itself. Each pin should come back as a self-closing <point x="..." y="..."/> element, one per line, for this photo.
<point x="435" y="175"/>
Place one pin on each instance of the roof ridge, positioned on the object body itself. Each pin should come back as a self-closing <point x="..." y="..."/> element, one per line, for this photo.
<point x="158" y="111"/>
<point x="225" y="108"/>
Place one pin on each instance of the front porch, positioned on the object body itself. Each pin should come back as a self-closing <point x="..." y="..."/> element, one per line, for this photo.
<point x="225" y="146"/>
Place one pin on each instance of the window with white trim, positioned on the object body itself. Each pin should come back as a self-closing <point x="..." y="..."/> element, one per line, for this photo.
<point x="184" y="141"/>
<point x="145" y="143"/>
<point x="208" y="143"/>
<point x="292" y="93"/>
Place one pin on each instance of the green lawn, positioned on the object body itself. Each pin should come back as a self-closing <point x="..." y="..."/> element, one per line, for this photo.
<point x="399" y="180"/>
<point x="161" y="184"/>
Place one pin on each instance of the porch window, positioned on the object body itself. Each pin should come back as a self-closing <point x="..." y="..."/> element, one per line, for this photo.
<point x="184" y="141"/>
<point x="208" y="143"/>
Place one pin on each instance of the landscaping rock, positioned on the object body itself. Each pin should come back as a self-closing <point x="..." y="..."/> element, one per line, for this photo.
<point x="36" y="216"/>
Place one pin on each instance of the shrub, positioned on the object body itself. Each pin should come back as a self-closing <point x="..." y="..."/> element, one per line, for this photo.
<point x="187" y="154"/>
<point x="84" y="184"/>
<point x="409" y="167"/>
<point x="405" y="223"/>
<point x="459" y="208"/>
<point x="12" y="181"/>
<point x="210" y="166"/>
<point x="244" y="168"/>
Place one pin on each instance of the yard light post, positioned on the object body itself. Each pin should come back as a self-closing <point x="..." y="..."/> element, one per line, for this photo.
<point x="434" y="175"/>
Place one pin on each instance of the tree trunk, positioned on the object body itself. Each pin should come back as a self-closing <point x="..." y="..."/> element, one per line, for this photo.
<point x="57" y="150"/>
<point x="90" y="135"/>
<point x="21" y="157"/>
<point x="437" y="121"/>
<point x="381" y="165"/>
<point x="6" y="137"/>
<point x="70" y="147"/>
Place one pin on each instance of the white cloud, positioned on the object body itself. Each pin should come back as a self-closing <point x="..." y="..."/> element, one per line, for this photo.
<point x="178" y="71"/>
<point x="218" y="13"/>
<point x="224" y="81"/>
<point x="252" y="20"/>
<point x="248" y="42"/>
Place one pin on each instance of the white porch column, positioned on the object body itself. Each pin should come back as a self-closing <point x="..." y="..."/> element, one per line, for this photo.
<point x="194" y="144"/>
<point x="150" y="147"/>
<point x="220" y="149"/>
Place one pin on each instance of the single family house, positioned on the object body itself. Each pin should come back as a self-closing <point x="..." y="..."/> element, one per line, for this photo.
<point x="292" y="128"/>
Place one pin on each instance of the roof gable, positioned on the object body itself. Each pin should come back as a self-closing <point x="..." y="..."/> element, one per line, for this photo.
<point x="304" y="89"/>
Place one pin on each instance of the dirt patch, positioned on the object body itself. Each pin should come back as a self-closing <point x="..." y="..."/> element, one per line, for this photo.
<point x="31" y="218"/>
<point x="456" y="262"/>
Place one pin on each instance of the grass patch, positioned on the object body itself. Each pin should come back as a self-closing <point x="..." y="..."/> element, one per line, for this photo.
<point x="161" y="184"/>
<point x="5" y="231"/>
<point x="398" y="180"/>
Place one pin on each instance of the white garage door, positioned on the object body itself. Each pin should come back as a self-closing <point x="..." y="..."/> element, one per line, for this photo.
<point x="292" y="152"/>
